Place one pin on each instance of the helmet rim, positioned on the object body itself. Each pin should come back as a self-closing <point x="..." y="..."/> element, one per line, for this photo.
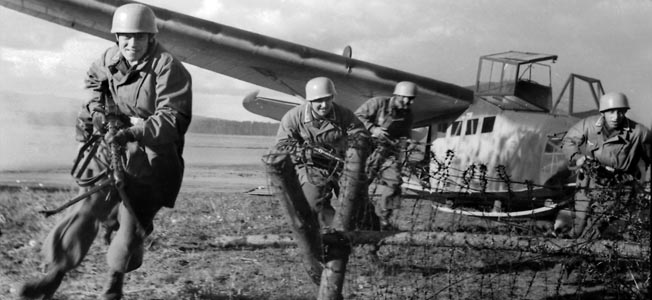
<point x="611" y="101"/>
<point x="319" y="87"/>
<point x="406" y="89"/>
<point x="134" y="18"/>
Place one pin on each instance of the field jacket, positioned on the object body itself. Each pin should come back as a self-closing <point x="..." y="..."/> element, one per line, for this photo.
<point x="299" y="125"/>
<point x="624" y="150"/>
<point x="158" y="93"/>
<point x="378" y="112"/>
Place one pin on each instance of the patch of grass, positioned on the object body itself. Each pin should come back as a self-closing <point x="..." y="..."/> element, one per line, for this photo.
<point x="181" y="262"/>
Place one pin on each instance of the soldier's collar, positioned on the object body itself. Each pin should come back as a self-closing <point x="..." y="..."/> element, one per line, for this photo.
<point x="628" y="125"/>
<point x="599" y="122"/>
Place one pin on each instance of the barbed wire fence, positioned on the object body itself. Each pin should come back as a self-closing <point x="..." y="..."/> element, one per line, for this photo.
<point x="445" y="251"/>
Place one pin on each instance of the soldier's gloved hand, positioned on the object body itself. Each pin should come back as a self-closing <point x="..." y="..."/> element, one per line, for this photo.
<point x="99" y="121"/>
<point x="379" y="132"/>
<point x="580" y="160"/>
<point x="121" y="137"/>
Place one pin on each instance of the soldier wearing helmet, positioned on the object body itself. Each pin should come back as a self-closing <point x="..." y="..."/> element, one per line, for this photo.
<point x="148" y="91"/>
<point x="615" y="142"/>
<point x="320" y="123"/>
<point x="389" y="119"/>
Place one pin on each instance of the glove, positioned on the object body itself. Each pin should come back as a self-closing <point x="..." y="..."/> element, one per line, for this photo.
<point x="83" y="128"/>
<point x="379" y="132"/>
<point x="121" y="137"/>
<point x="580" y="161"/>
<point x="99" y="121"/>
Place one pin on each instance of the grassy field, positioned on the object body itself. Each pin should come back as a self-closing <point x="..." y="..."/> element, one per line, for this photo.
<point x="180" y="262"/>
<point x="183" y="261"/>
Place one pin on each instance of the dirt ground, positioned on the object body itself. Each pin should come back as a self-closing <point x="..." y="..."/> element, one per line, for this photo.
<point x="184" y="262"/>
<point x="180" y="262"/>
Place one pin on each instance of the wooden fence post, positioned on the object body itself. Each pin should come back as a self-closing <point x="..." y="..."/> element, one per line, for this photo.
<point x="285" y="186"/>
<point x="352" y="184"/>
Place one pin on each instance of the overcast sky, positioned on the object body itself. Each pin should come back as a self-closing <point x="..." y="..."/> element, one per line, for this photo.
<point x="610" y="40"/>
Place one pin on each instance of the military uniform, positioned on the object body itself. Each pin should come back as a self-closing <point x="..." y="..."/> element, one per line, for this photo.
<point x="627" y="151"/>
<point x="155" y="99"/>
<point x="384" y="164"/>
<point x="316" y="173"/>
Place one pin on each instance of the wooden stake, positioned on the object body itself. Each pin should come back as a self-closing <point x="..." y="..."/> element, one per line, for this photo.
<point x="552" y="246"/>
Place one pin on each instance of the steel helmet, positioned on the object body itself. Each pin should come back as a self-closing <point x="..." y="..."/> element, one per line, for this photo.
<point x="319" y="87"/>
<point x="613" y="101"/>
<point x="406" y="89"/>
<point x="133" y="18"/>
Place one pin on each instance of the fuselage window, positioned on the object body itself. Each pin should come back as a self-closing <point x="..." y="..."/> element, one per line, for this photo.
<point x="488" y="124"/>
<point x="441" y="127"/>
<point x="456" y="128"/>
<point x="553" y="146"/>
<point x="471" y="126"/>
<point x="553" y="157"/>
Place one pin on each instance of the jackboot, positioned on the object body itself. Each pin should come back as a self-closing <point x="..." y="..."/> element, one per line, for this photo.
<point x="114" y="291"/>
<point x="43" y="288"/>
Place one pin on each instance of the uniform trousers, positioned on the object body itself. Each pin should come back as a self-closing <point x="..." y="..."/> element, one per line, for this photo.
<point x="318" y="185"/>
<point x="386" y="173"/>
<point x="69" y="241"/>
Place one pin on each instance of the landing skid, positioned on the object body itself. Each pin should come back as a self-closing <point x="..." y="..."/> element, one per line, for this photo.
<point x="533" y="202"/>
<point x="537" y="213"/>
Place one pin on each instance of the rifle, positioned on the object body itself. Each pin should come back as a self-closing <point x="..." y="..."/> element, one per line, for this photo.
<point x="323" y="152"/>
<point x="310" y="154"/>
<point x="117" y="172"/>
<point x="301" y="152"/>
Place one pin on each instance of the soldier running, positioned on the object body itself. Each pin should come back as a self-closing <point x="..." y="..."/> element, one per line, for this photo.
<point x="621" y="147"/>
<point x="141" y="88"/>
<point x="324" y="126"/>
<point x="389" y="119"/>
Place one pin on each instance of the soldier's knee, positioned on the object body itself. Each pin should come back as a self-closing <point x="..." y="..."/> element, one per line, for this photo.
<point x="126" y="252"/>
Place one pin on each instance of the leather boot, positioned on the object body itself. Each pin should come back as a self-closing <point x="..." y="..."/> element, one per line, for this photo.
<point x="43" y="288"/>
<point x="114" y="291"/>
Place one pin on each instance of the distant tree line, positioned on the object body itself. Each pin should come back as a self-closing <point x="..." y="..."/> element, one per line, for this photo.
<point x="198" y="125"/>
<point x="220" y="126"/>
